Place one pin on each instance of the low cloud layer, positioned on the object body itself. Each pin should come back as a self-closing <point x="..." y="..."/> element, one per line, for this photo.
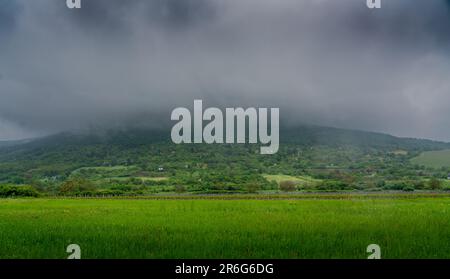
<point x="117" y="63"/>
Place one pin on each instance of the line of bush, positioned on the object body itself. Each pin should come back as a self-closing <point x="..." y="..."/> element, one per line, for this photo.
<point x="10" y="191"/>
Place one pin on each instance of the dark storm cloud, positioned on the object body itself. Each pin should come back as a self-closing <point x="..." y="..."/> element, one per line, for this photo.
<point x="118" y="63"/>
<point x="9" y="11"/>
<point x="114" y="16"/>
<point x="407" y="22"/>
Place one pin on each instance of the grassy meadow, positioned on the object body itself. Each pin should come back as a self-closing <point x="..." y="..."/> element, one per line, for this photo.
<point x="433" y="159"/>
<point x="404" y="227"/>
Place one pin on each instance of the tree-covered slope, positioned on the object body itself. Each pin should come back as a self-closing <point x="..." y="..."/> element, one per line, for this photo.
<point x="345" y="159"/>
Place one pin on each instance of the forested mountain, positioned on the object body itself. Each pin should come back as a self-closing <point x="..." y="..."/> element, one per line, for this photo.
<point x="146" y="160"/>
<point x="300" y="135"/>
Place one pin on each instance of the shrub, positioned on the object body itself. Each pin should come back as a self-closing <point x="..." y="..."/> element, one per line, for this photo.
<point x="332" y="185"/>
<point x="76" y="186"/>
<point x="180" y="189"/>
<point x="120" y="187"/>
<point x="111" y="192"/>
<point x="419" y="184"/>
<point x="435" y="184"/>
<point x="252" y="187"/>
<point x="288" y="186"/>
<point x="398" y="185"/>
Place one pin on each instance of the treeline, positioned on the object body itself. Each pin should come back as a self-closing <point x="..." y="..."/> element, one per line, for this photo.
<point x="406" y="185"/>
<point x="79" y="187"/>
<point x="11" y="191"/>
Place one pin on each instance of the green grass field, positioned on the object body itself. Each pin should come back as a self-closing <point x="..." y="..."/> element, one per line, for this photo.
<point x="205" y="228"/>
<point x="434" y="159"/>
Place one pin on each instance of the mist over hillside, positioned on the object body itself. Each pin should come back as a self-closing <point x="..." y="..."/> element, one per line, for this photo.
<point x="301" y="136"/>
<point x="332" y="63"/>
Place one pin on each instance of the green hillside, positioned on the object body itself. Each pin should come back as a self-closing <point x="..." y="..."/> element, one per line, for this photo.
<point x="141" y="162"/>
<point x="434" y="159"/>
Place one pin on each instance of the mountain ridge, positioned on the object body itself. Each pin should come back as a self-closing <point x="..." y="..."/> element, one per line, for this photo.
<point x="300" y="135"/>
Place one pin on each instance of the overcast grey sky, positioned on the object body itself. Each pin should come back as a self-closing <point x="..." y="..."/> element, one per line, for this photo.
<point x="117" y="63"/>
